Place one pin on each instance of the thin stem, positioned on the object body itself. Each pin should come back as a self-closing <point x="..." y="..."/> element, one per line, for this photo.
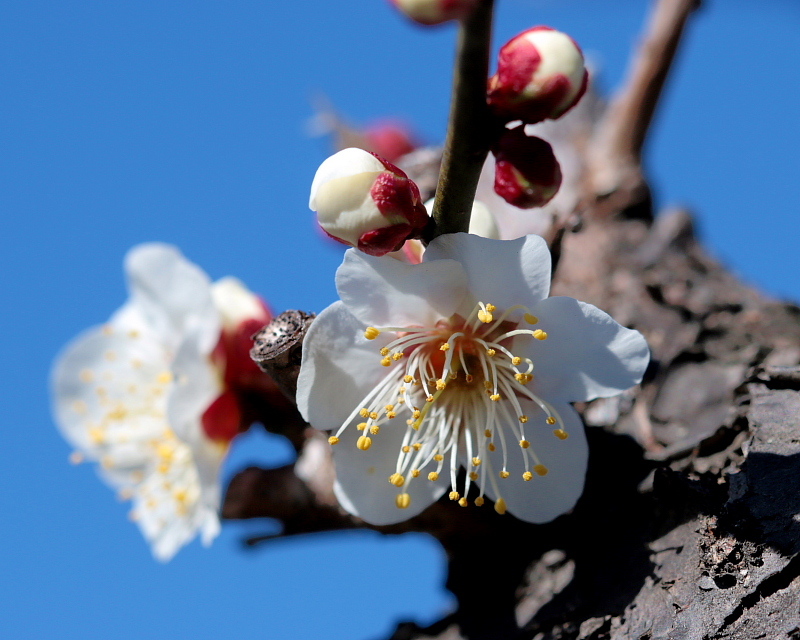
<point x="468" y="132"/>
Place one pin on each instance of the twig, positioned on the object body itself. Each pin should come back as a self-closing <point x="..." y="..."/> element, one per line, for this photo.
<point x="615" y="156"/>
<point x="468" y="133"/>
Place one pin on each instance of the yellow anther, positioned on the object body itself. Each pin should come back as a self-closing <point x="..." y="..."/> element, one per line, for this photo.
<point x="504" y="474"/>
<point x="523" y="378"/>
<point x="391" y="415"/>
<point x="491" y="446"/>
<point x="500" y="506"/>
<point x="79" y="406"/>
<point x="550" y="420"/>
<point x="386" y="362"/>
<point x="385" y="351"/>
<point x="86" y="376"/>
<point x="429" y="399"/>
<point x="531" y="319"/>
<point x="516" y="360"/>
<point x="487" y="385"/>
<point x="463" y="502"/>
<point x="403" y="500"/>
<point x="397" y="355"/>
<point x="445" y="346"/>
<point x="433" y="476"/>
<point x="438" y="457"/>
<point x="495" y="397"/>
<point x="415" y="473"/>
<point x="479" y="501"/>
<point x="490" y="307"/>
<point x="417" y="413"/>
<point x="165" y="377"/>
<point x="410" y="422"/>
<point x="440" y="384"/>
<point x="397" y="479"/>
<point x="541" y="470"/>
<point x="408" y="379"/>
<point x="97" y="435"/>
<point x="373" y="415"/>
<point x="473" y="475"/>
<point x="364" y="413"/>
<point x="371" y="333"/>
<point x="476" y="462"/>
<point x="560" y="434"/>
<point x="488" y="433"/>
<point x="527" y="476"/>
<point x="364" y="443"/>
<point x="454" y="495"/>
<point x="490" y="352"/>
<point x="361" y="426"/>
<point x="406" y="449"/>
<point x="333" y="440"/>
<point x="417" y="446"/>
<point x="540" y="335"/>
<point x="485" y="316"/>
<point x="523" y="419"/>
<point x="374" y="429"/>
<point x="469" y="377"/>
<point x="524" y="444"/>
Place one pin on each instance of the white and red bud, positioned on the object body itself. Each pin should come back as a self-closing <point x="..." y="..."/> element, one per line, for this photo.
<point x="366" y="202"/>
<point x="242" y="313"/>
<point x="527" y="173"/>
<point x="540" y="74"/>
<point x="432" y="12"/>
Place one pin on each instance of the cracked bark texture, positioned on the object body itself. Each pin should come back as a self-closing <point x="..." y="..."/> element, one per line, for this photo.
<point x="689" y="526"/>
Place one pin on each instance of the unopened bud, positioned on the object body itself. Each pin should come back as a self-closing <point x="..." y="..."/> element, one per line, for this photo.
<point x="366" y="202"/>
<point x="431" y="12"/>
<point x="390" y="140"/>
<point x="527" y="173"/>
<point x="540" y="74"/>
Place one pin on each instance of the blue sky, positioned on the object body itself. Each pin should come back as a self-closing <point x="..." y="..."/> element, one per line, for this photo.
<point x="186" y="122"/>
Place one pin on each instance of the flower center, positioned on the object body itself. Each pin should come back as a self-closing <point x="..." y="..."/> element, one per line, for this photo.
<point x="457" y="386"/>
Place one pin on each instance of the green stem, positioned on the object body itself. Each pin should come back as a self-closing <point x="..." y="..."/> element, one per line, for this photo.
<point x="468" y="133"/>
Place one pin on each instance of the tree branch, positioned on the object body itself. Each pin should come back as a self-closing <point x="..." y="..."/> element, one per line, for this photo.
<point x="469" y="127"/>
<point x="615" y="159"/>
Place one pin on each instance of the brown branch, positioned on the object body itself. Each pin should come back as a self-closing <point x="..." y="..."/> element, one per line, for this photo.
<point x="468" y="131"/>
<point x="615" y="156"/>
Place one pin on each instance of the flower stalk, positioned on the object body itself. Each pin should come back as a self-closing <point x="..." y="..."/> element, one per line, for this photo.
<point x="469" y="129"/>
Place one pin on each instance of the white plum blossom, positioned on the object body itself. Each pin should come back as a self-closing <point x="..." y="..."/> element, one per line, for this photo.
<point x="147" y="395"/>
<point x="461" y="361"/>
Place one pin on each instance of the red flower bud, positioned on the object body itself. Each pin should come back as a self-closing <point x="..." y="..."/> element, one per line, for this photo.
<point x="527" y="173"/>
<point x="540" y="74"/>
<point x="431" y="12"/>
<point x="365" y="201"/>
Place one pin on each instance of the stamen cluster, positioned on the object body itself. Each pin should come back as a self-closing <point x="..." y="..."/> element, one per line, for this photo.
<point x="455" y="386"/>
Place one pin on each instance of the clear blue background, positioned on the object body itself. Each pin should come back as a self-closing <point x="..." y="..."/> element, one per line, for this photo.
<point x="122" y="122"/>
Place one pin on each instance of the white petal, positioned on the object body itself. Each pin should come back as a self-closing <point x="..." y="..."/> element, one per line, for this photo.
<point x="501" y="272"/>
<point x="236" y="303"/>
<point x="346" y="162"/>
<point x="362" y="477"/>
<point x="171" y="293"/>
<point x="340" y="366"/>
<point x="387" y="292"/>
<point x="586" y="355"/>
<point x="109" y="394"/>
<point x="197" y="384"/>
<point x="544" y="497"/>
